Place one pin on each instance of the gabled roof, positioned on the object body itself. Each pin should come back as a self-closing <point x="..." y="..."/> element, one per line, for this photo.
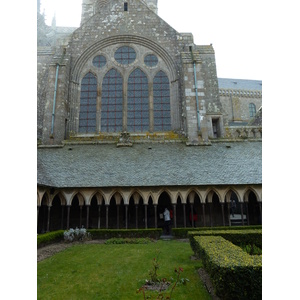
<point x="240" y="84"/>
<point x="168" y="164"/>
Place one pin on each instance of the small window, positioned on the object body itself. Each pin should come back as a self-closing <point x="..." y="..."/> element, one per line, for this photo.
<point x="151" y="60"/>
<point x="125" y="55"/>
<point x="125" y="6"/>
<point x="252" y="110"/>
<point x="99" y="61"/>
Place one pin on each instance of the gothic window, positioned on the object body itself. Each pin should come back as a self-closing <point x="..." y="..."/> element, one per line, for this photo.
<point x="112" y="102"/>
<point x="252" y="110"/>
<point x="88" y="99"/>
<point x="161" y="102"/>
<point x="137" y="102"/>
<point x="99" y="61"/>
<point x="125" y="55"/>
<point x="151" y="60"/>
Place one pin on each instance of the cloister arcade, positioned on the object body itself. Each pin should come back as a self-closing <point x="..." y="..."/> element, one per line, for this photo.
<point x="125" y="208"/>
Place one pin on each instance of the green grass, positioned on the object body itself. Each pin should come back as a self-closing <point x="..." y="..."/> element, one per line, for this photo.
<point x="115" y="272"/>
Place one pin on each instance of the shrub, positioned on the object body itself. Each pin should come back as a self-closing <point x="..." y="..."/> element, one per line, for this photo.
<point x="49" y="238"/>
<point x="128" y="241"/>
<point x="234" y="273"/>
<point x="76" y="234"/>
<point x="153" y="233"/>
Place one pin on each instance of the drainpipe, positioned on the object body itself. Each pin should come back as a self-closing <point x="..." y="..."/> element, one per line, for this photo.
<point x="196" y="88"/>
<point x="54" y="99"/>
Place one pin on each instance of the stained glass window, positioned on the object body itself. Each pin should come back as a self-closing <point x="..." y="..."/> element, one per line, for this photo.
<point x="99" y="61"/>
<point x="151" y="60"/>
<point x="112" y="102"/>
<point x="137" y="102"/>
<point x="125" y="55"/>
<point x="88" y="100"/>
<point x="161" y="102"/>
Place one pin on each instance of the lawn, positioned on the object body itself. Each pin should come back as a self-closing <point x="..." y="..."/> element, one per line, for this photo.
<point x="114" y="272"/>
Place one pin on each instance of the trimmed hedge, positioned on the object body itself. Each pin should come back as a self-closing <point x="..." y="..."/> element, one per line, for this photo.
<point x="50" y="238"/>
<point x="154" y="233"/>
<point x="235" y="274"/>
<point x="183" y="232"/>
<point x="237" y="237"/>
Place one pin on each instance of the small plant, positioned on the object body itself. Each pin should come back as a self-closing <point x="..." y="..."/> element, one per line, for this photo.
<point x="76" y="234"/>
<point x="161" y="284"/>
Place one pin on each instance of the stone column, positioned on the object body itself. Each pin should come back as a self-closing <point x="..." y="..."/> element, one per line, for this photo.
<point x="80" y="216"/>
<point x="62" y="216"/>
<point x="223" y="215"/>
<point x="210" y="213"/>
<point x="228" y="213"/>
<point x="146" y="219"/>
<point x="87" y="216"/>
<point x="118" y="216"/>
<point x="247" y="213"/>
<point x="155" y="214"/>
<point x="99" y="215"/>
<point x="184" y="215"/>
<point x="107" y="207"/>
<point x="174" y="216"/>
<point x="192" y="215"/>
<point x="136" y="216"/>
<point x="68" y="217"/>
<point x="48" y="219"/>
<point x="37" y="222"/>
<point x="126" y="216"/>
<point x="203" y="213"/>
<point x="242" y="213"/>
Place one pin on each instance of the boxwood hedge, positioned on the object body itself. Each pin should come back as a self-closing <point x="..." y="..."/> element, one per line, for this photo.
<point x="234" y="273"/>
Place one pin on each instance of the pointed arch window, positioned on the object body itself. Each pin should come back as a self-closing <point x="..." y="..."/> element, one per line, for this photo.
<point x="161" y="102"/>
<point x="252" y="110"/>
<point x="112" y="102"/>
<point x="138" y="102"/>
<point x="88" y="100"/>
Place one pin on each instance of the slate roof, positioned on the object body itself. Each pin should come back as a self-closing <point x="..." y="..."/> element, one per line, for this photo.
<point x="240" y="84"/>
<point x="168" y="164"/>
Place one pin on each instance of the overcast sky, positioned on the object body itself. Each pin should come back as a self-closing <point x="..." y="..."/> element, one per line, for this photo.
<point x="232" y="26"/>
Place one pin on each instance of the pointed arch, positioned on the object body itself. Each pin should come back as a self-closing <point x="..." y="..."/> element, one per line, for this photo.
<point x="88" y="103"/>
<point x="161" y="102"/>
<point x="230" y="190"/>
<point x="112" y="102"/>
<point x="137" y="102"/>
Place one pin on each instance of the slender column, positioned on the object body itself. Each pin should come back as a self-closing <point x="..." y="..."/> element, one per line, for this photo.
<point x="107" y="207"/>
<point x="136" y="216"/>
<point x="68" y="217"/>
<point x="184" y="215"/>
<point x="62" y="216"/>
<point x="174" y="216"/>
<point x="126" y="216"/>
<point x="87" y="216"/>
<point x="80" y="216"/>
<point x="260" y="210"/>
<point x="242" y="213"/>
<point x="118" y="216"/>
<point x="247" y="213"/>
<point x="203" y="213"/>
<point x="99" y="214"/>
<point x="228" y="213"/>
<point x="223" y="215"/>
<point x="37" y="221"/>
<point x="48" y="219"/>
<point x="155" y="214"/>
<point x="146" y="219"/>
<point x="210" y="213"/>
<point x="192" y="215"/>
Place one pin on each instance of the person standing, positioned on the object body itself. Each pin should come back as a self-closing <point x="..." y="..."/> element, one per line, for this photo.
<point x="167" y="221"/>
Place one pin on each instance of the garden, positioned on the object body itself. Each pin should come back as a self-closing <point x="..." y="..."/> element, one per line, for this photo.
<point x="129" y="265"/>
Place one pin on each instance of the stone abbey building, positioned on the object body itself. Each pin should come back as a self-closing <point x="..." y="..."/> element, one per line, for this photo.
<point x="132" y="118"/>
